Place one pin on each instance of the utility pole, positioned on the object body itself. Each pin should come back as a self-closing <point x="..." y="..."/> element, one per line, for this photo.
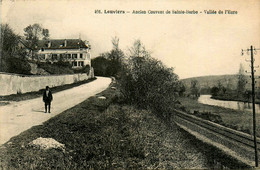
<point x="253" y="99"/>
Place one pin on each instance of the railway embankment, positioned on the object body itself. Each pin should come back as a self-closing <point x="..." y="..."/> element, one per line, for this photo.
<point x="103" y="133"/>
<point x="235" y="144"/>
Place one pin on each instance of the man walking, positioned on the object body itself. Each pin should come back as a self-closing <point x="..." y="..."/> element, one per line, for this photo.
<point x="47" y="98"/>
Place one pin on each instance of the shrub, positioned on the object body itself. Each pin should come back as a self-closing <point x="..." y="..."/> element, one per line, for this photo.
<point x="17" y="65"/>
<point x="55" y="69"/>
<point x="85" y="69"/>
<point x="147" y="83"/>
<point x="63" y="64"/>
<point x="101" y="66"/>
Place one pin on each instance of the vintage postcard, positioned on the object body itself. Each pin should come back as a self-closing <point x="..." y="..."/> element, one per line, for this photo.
<point x="129" y="84"/>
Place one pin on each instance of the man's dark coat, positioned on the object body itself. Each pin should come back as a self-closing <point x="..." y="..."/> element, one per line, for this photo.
<point x="47" y="99"/>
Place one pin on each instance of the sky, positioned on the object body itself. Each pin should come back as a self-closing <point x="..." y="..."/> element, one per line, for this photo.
<point x="193" y="44"/>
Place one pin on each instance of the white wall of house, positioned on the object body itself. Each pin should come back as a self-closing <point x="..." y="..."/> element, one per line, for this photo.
<point x="78" y="57"/>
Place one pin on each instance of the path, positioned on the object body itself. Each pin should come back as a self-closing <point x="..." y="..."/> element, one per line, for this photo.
<point x="20" y="116"/>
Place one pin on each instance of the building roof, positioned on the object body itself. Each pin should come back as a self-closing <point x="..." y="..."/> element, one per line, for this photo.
<point x="24" y="43"/>
<point x="62" y="44"/>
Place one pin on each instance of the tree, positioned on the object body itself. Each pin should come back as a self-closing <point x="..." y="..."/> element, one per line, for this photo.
<point x="147" y="83"/>
<point x="138" y="50"/>
<point x="100" y="65"/>
<point x="115" y="56"/>
<point x="229" y="84"/>
<point x="182" y="89"/>
<point x="33" y="34"/>
<point x="12" y="57"/>
<point x="214" y="91"/>
<point x="195" y="88"/>
<point x="222" y="89"/>
<point x="45" y="33"/>
<point x="9" y="40"/>
<point x="241" y="84"/>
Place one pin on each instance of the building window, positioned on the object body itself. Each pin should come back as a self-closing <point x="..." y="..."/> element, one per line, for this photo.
<point x="74" y="63"/>
<point x="81" y="55"/>
<point x="74" y="56"/>
<point x="81" y="63"/>
<point x="54" y="57"/>
<point x="68" y="56"/>
<point x="62" y="57"/>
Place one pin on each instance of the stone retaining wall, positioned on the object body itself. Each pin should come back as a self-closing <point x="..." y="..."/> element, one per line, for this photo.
<point x="16" y="83"/>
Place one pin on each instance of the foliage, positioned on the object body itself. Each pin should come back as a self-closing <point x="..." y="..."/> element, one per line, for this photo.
<point x="147" y="83"/>
<point x="12" y="57"/>
<point x="46" y="34"/>
<point x="101" y="66"/>
<point x="102" y="134"/>
<point x="214" y="91"/>
<point x="109" y="64"/>
<point x="33" y="33"/>
<point x="17" y="65"/>
<point x="63" y="63"/>
<point x="225" y="92"/>
<point x="205" y="90"/>
<point x="241" y="81"/>
<point x="55" y="68"/>
<point x="85" y="69"/>
<point x="9" y="40"/>
<point x="182" y="89"/>
<point x="195" y="88"/>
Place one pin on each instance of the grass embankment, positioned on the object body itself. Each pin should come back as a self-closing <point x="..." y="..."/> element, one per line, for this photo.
<point x="235" y="119"/>
<point x="32" y="95"/>
<point x="106" y="134"/>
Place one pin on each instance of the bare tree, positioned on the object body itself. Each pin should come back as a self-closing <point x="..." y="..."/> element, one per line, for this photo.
<point x="115" y="43"/>
<point x="138" y="50"/>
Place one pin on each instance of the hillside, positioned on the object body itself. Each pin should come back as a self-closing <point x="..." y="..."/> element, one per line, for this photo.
<point x="210" y="81"/>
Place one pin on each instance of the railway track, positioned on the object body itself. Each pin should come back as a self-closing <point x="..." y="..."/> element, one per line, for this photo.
<point x="237" y="144"/>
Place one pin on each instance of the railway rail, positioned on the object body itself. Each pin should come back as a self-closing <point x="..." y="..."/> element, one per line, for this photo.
<point x="237" y="144"/>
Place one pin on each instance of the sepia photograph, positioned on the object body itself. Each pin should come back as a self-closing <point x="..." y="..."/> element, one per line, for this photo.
<point x="129" y="84"/>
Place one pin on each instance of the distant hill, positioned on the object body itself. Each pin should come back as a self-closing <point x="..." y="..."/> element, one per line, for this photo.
<point x="211" y="81"/>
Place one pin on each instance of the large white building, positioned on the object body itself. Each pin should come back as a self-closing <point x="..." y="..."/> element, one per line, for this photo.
<point x="75" y="51"/>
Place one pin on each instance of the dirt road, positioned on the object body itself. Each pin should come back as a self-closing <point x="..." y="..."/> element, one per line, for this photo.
<point x="20" y="116"/>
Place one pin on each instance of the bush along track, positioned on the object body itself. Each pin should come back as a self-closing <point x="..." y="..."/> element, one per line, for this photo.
<point x="101" y="132"/>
